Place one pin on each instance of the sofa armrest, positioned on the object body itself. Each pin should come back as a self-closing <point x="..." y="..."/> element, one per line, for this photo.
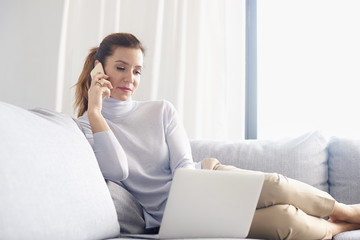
<point x="344" y="169"/>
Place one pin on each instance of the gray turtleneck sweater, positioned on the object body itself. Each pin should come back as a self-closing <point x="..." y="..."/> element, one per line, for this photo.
<point x="144" y="147"/>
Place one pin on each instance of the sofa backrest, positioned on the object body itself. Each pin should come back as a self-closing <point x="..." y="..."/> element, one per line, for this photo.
<point x="50" y="184"/>
<point x="303" y="158"/>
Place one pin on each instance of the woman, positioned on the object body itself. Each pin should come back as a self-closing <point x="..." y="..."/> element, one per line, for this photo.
<point x="141" y="144"/>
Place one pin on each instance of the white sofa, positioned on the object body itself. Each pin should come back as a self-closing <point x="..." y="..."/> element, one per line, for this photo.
<point x="51" y="186"/>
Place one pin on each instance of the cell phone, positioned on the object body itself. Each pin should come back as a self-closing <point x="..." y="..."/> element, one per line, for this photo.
<point x="98" y="68"/>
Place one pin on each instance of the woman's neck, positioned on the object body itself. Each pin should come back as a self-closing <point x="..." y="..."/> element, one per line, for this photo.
<point x="114" y="108"/>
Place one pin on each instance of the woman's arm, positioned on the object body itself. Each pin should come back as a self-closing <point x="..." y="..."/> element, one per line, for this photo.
<point x="109" y="153"/>
<point x="177" y="140"/>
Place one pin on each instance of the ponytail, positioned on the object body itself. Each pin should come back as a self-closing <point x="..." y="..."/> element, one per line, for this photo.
<point x="83" y="84"/>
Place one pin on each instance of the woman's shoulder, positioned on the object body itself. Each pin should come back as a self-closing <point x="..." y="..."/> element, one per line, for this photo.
<point x="160" y="104"/>
<point x="157" y="108"/>
<point x="83" y="119"/>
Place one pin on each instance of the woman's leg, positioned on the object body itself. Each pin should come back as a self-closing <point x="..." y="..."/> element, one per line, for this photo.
<point x="278" y="213"/>
<point x="289" y="209"/>
<point x="287" y="222"/>
<point x="346" y="213"/>
<point x="278" y="189"/>
<point x="341" y="226"/>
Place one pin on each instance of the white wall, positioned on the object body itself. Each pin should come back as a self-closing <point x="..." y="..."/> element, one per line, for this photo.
<point x="29" y="46"/>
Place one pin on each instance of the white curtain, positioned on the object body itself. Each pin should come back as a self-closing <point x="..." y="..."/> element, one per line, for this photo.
<point x="195" y="56"/>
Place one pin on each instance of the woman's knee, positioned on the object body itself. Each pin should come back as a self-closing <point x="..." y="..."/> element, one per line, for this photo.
<point x="274" y="191"/>
<point x="278" y="222"/>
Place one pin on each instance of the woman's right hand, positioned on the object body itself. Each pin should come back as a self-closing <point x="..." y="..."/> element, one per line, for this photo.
<point x="98" y="91"/>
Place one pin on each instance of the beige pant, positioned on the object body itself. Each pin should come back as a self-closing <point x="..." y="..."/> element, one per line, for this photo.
<point x="287" y="208"/>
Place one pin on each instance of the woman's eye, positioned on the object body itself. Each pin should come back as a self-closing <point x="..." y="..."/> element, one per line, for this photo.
<point x="120" y="68"/>
<point x="138" y="72"/>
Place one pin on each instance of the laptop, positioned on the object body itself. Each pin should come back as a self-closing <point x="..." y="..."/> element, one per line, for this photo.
<point x="210" y="204"/>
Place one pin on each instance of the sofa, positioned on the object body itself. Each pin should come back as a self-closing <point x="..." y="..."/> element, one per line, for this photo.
<point x="51" y="186"/>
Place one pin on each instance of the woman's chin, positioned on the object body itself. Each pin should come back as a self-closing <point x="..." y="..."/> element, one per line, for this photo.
<point x="121" y="98"/>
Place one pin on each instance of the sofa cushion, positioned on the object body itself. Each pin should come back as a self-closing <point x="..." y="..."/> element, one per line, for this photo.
<point x="303" y="158"/>
<point x="51" y="185"/>
<point x="344" y="169"/>
<point x="129" y="211"/>
<point x="350" y="235"/>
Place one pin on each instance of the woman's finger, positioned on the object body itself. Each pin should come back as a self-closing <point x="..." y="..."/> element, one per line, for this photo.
<point x="107" y="83"/>
<point x="106" y="94"/>
<point x="104" y="83"/>
<point x="99" y="83"/>
<point x="98" y="77"/>
<point x="102" y="88"/>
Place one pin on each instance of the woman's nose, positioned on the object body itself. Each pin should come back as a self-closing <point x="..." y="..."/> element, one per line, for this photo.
<point x="130" y="78"/>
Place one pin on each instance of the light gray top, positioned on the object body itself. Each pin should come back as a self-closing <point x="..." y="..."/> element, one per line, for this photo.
<point x="145" y="145"/>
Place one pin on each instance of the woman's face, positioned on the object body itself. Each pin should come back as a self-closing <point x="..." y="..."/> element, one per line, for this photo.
<point x="124" y="68"/>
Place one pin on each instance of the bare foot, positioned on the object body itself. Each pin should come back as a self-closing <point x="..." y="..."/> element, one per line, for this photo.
<point x="355" y="212"/>
<point x="339" y="227"/>
<point x="347" y="213"/>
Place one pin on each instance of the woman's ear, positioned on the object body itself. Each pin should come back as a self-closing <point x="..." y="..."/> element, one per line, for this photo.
<point x="96" y="62"/>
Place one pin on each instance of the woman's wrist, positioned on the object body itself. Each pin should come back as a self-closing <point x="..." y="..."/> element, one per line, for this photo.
<point x="91" y="112"/>
<point x="97" y="121"/>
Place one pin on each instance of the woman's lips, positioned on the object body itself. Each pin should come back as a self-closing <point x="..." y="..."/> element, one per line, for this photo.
<point x="125" y="89"/>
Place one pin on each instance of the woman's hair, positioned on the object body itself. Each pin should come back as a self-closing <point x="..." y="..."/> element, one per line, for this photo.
<point x="100" y="53"/>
